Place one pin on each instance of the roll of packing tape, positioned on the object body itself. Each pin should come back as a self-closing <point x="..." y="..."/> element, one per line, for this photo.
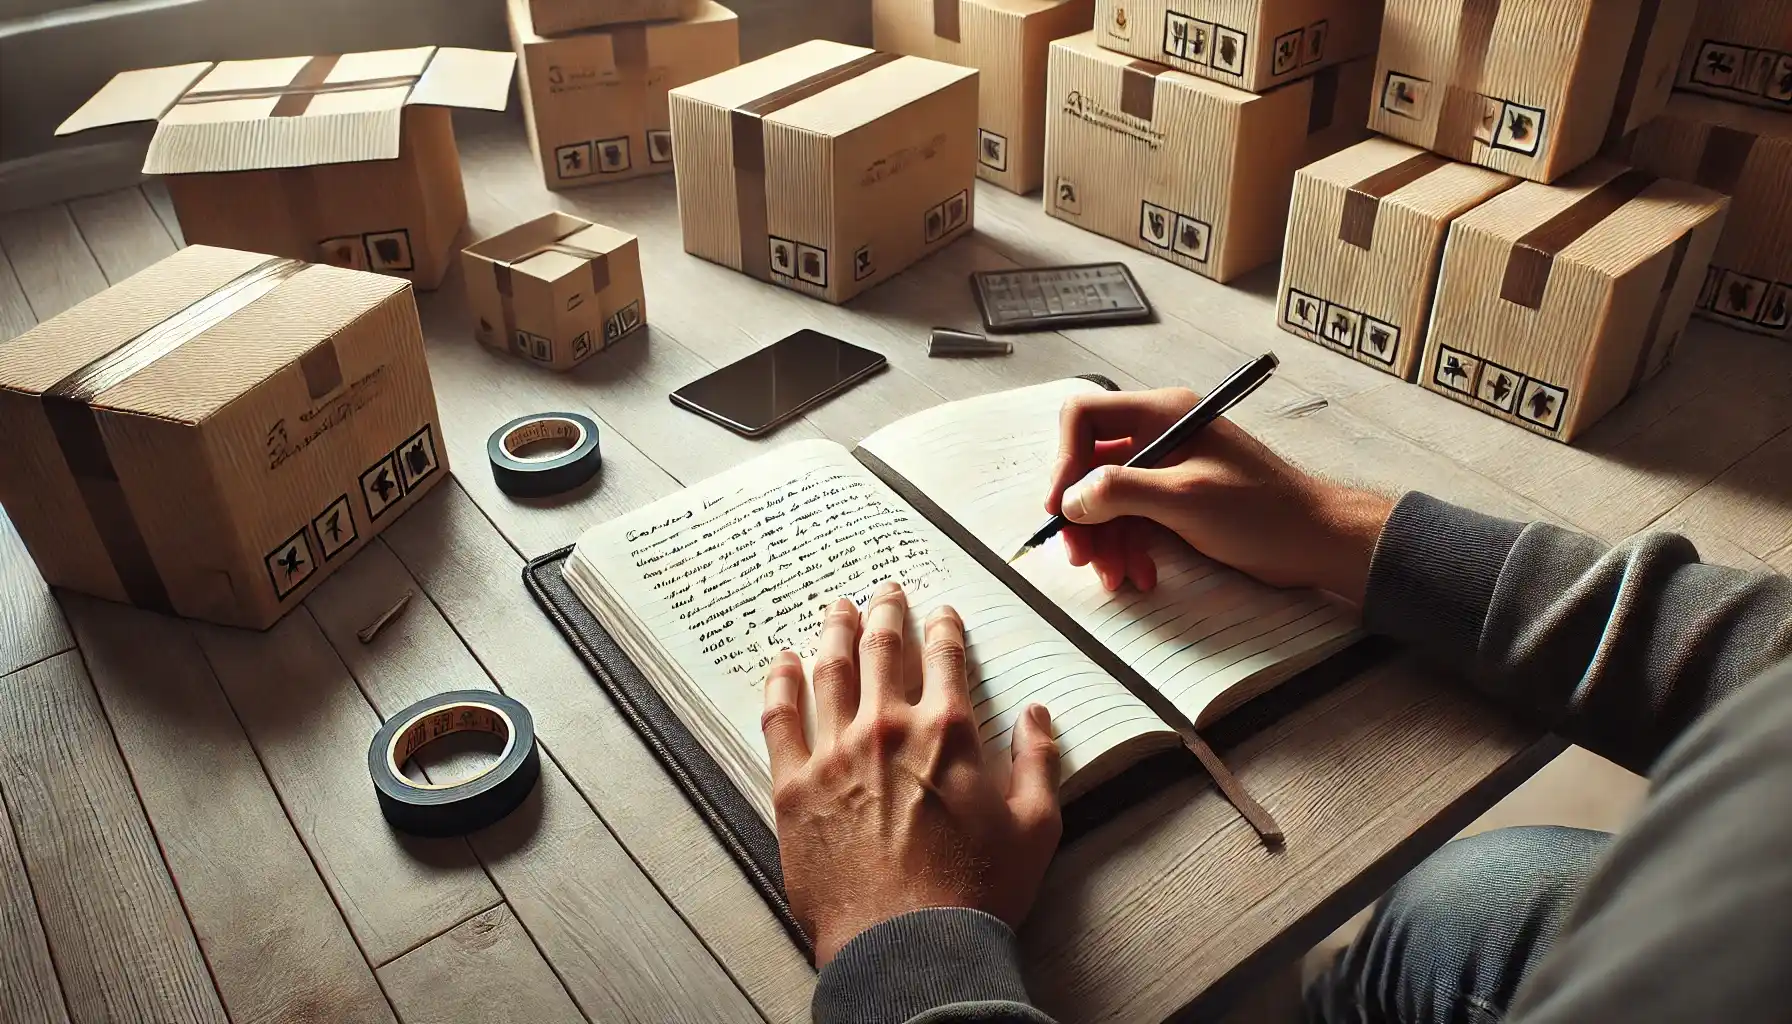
<point x="427" y="809"/>
<point x="534" y="476"/>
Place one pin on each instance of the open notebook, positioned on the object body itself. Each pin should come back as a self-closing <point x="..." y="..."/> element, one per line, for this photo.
<point x="703" y="588"/>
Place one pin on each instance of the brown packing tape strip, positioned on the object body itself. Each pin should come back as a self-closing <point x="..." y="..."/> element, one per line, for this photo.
<point x="1322" y="109"/>
<point x="1533" y="256"/>
<point x="1462" y="102"/>
<point x="322" y="370"/>
<point x="1633" y="69"/>
<point x="1362" y="201"/>
<point x="628" y="49"/>
<point x="1726" y="153"/>
<point x="1223" y="778"/>
<point x="1138" y="88"/>
<point x="272" y="91"/>
<point x="68" y="404"/>
<point x="945" y="20"/>
<point x="746" y="124"/>
<point x="1646" y="353"/>
<point x="505" y="276"/>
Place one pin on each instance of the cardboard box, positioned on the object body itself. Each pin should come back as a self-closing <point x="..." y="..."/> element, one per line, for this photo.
<point x="213" y="436"/>
<point x="1254" y="45"/>
<point x="1555" y="302"/>
<point x="1007" y="41"/>
<point x="595" y="103"/>
<point x="1533" y="88"/>
<point x="348" y="160"/>
<point x="1365" y="234"/>
<point x="1184" y="168"/>
<point x="826" y="168"/>
<point x="1746" y="154"/>
<point x="1741" y="51"/>
<point x="554" y="17"/>
<point x="556" y="290"/>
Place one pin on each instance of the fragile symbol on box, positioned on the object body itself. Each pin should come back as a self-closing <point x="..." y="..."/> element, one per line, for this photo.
<point x="1314" y="44"/>
<point x="659" y="145"/>
<point x="1542" y="404"/>
<point x="1188" y="39"/>
<point x="1228" y="50"/>
<point x="1381" y="341"/>
<point x="1192" y="238"/>
<point x="382" y="486"/>
<point x="1303" y="311"/>
<point x="1067" y="197"/>
<point x="812" y="265"/>
<point x="417" y="457"/>
<point x="992" y="150"/>
<point x="291" y="564"/>
<point x="1456" y="370"/>
<point x="534" y="346"/>
<point x="389" y="250"/>
<point x="349" y="253"/>
<point x="1340" y="326"/>
<point x="862" y="266"/>
<point x="1499" y="387"/>
<point x="622" y="321"/>
<point x="1405" y="95"/>
<point x="574" y="161"/>
<point x="1154" y="224"/>
<point x="783" y="256"/>
<point x="1288" y="49"/>
<point x="581" y="346"/>
<point x="335" y="527"/>
<point x="612" y="154"/>
<point x="1520" y="129"/>
<point x="1121" y="25"/>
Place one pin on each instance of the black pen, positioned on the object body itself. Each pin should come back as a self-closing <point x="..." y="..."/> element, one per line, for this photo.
<point x="1217" y="403"/>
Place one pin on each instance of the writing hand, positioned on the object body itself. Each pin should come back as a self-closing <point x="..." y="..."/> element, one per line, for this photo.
<point x="1226" y="494"/>
<point x="892" y="810"/>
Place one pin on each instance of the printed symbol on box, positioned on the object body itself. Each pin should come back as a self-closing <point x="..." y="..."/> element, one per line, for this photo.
<point x="581" y="345"/>
<point x="1405" y="95"/>
<point x="1456" y="370"/>
<point x="783" y="256"/>
<point x="1542" y="404"/>
<point x="1228" y="50"/>
<point x="1499" y="387"/>
<point x="382" y="486"/>
<point x="350" y="253"/>
<point x="1287" y="52"/>
<point x="612" y="154"/>
<point x="1304" y="311"/>
<point x="934" y="223"/>
<point x="659" y="145"/>
<point x="574" y="161"/>
<point x="992" y="150"/>
<point x="1121" y="24"/>
<point x="417" y="457"/>
<point x="1776" y="309"/>
<point x="521" y="343"/>
<point x="1067" y="197"/>
<point x="1154" y="225"/>
<point x="1192" y="237"/>
<point x="622" y="321"/>
<point x="1176" y="32"/>
<point x="1714" y="277"/>
<point x="534" y="346"/>
<point x="1314" y="48"/>
<point x="389" y="250"/>
<point x="862" y="267"/>
<point x="335" y="527"/>
<point x="1488" y="126"/>
<point x="1521" y="129"/>
<point x="1380" y="341"/>
<point x="291" y="564"/>
<point x="1718" y="64"/>
<point x="1740" y="296"/>
<point x="958" y="209"/>
<point x="1341" y="326"/>
<point x="574" y="301"/>
<point x="1779" y="80"/>
<point x="486" y="330"/>
<point x="812" y="265"/>
<point x="1756" y="78"/>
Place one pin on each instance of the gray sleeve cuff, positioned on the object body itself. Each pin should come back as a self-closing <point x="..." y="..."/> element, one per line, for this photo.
<point x="929" y="960"/>
<point x="1433" y="576"/>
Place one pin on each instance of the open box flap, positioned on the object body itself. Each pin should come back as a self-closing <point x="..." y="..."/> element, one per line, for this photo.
<point x="132" y="96"/>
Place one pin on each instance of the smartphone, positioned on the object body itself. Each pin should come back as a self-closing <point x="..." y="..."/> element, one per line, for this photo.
<point x="778" y="382"/>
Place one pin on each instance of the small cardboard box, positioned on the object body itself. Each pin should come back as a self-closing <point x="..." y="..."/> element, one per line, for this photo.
<point x="556" y="290"/>
<point x="826" y="168"/>
<point x="1254" y="45"/>
<point x="1533" y="88"/>
<point x="1556" y="301"/>
<point x="555" y="17"/>
<point x="348" y="160"/>
<point x="213" y="436"/>
<point x="1365" y="235"/>
<point x="1184" y="168"/>
<point x="1007" y="41"/>
<point x="1746" y="154"/>
<point x="1741" y="51"/>
<point x="595" y="103"/>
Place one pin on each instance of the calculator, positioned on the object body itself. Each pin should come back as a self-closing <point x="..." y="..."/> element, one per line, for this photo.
<point x="1052" y="298"/>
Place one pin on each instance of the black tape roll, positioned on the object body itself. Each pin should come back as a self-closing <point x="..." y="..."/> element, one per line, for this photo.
<point x="423" y="809"/>
<point x="527" y="476"/>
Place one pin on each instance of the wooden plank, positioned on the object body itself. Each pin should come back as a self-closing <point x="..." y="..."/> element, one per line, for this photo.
<point x="55" y="268"/>
<point x="273" y="937"/>
<point x="31" y="627"/>
<point x="474" y="578"/>
<point x="123" y="948"/>
<point x="487" y="970"/>
<point x="157" y="194"/>
<point x="311" y="726"/>
<point x="15" y="312"/>
<point x="29" y="992"/>
<point x="1749" y="505"/>
<point x="122" y="231"/>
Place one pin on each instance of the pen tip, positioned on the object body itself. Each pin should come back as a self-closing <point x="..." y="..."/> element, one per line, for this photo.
<point x="1018" y="555"/>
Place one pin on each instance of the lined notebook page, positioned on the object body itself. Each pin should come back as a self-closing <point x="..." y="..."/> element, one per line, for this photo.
<point x="714" y="581"/>
<point x="1207" y="637"/>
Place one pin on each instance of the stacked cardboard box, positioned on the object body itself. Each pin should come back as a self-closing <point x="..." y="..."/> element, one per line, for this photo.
<point x="556" y="291"/>
<point x="1254" y="45"/>
<point x="1741" y="51"/>
<point x="595" y="101"/>
<point x="1007" y="41"/>
<point x="556" y="17"/>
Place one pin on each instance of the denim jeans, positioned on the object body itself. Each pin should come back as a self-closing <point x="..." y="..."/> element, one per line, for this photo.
<point x="1450" y="942"/>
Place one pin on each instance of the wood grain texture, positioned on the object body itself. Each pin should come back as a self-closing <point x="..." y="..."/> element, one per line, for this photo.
<point x="122" y="230"/>
<point x="310" y="726"/>
<point x="277" y="946"/>
<point x="123" y="948"/>
<point x="15" y="313"/>
<point x="475" y="579"/>
<point x="29" y="992"/>
<point x="1749" y="505"/>
<point x="31" y="626"/>
<point x="54" y="266"/>
<point x="163" y="204"/>
<point x="487" y="969"/>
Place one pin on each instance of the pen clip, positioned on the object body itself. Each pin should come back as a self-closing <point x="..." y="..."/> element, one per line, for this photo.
<point x="1241" y="396"/>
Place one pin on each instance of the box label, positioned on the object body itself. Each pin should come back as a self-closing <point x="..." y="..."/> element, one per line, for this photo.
<point x="1744" y="70"/>
<point x="1536" y="403"/>
<point x="1080" y="106"/>
<point x="1341" y="326"/>
<point x="1746" y="300"/>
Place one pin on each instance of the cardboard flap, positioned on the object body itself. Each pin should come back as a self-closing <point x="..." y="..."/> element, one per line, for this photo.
<point x="470" y="79"/>
<point x="133" y="96"/>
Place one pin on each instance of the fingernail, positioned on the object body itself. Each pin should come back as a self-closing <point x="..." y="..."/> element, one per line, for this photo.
<point x="1040" y="716"/>
<point x="1073" y="504"/>
<point x="844" y="605"/>
<point x="888" y="587"/>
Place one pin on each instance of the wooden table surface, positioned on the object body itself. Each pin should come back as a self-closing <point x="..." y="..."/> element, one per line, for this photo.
<point x="189" y="833"/>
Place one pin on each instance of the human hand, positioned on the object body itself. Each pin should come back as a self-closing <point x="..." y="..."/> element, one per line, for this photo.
<point x="1224" y="493"/>
<point x="893" y="810"/>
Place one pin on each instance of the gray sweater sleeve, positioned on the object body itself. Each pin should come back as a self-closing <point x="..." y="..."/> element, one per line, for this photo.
<point x="1617" y="649"/>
